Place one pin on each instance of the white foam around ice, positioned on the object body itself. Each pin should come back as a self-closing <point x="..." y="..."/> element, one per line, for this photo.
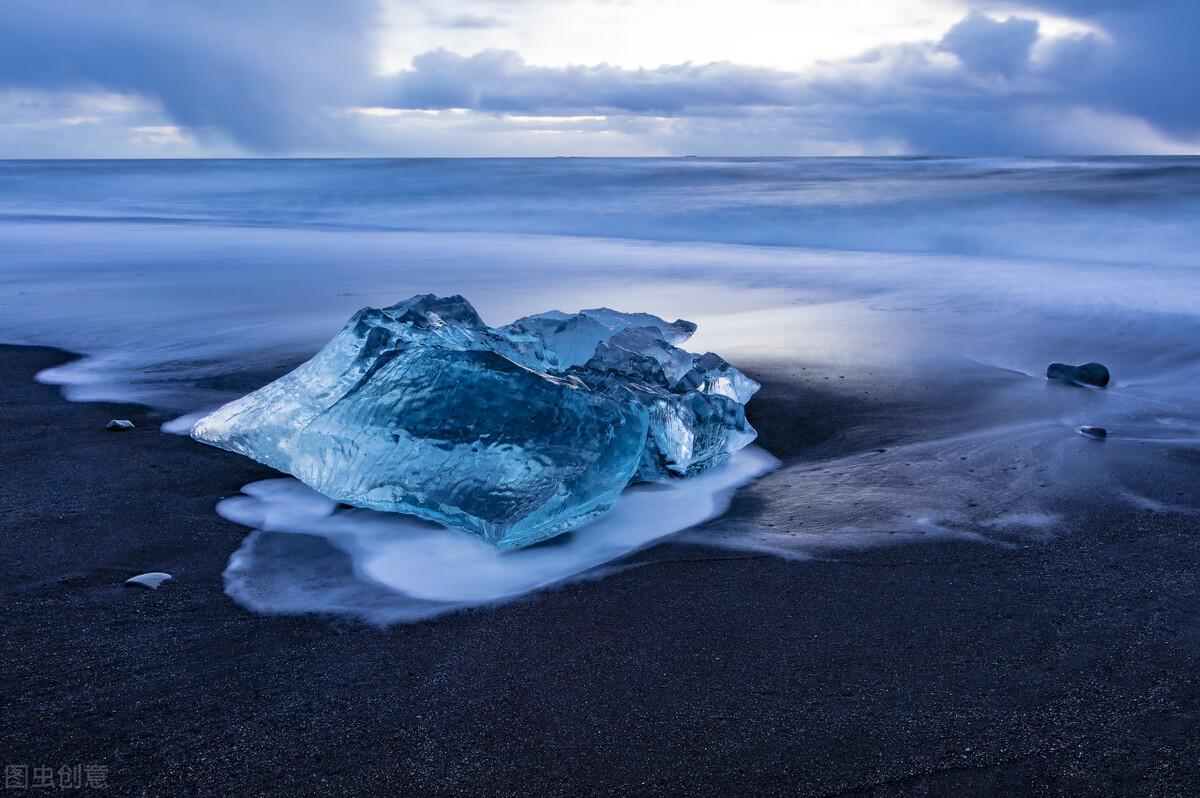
<point x="182" y="425"/>
<point x="429" y="569"/>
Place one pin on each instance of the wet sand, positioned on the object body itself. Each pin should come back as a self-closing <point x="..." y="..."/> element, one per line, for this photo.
<point x="1067" y="667"/>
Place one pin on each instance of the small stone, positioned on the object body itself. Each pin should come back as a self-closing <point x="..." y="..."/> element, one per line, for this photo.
<point x="151" y="580"/>
<point x="1096" y="433"/>
<point x="1094" y="374"/>
<point x="119" y="425"/>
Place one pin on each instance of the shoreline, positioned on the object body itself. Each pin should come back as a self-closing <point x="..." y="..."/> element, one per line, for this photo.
<point x="1064" y="666"/>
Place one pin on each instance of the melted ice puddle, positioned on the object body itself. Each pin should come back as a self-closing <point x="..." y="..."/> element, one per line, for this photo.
<point x="402" y="569"/>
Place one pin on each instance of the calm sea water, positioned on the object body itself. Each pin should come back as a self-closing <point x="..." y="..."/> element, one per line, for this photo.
<point x="175" y="277"/>
<point x="1106" y="209"/>
<point x="148" y="263"/>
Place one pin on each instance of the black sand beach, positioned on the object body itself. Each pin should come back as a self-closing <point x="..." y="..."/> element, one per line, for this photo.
<point x="1068" y="667"/>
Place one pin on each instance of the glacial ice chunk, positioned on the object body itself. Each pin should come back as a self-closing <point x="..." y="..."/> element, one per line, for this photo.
<point x="514" y="434"/>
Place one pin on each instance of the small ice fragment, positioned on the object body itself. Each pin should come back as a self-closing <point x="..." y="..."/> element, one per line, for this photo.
<point x="119" y="425"/>
<point x="151" y="580"/>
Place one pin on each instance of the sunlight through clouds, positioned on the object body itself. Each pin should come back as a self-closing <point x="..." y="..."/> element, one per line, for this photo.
<point x="784" y="34"/>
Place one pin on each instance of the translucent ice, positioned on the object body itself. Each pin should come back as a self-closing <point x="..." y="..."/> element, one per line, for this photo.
<point x="515" y="434"/>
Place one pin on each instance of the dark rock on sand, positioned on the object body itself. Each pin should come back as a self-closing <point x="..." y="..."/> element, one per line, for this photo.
<point x="1094" y="374"/>
<point x="119" y="425"/>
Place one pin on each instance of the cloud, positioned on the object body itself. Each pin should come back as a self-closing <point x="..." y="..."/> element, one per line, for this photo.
<point x="1147" y="67"/>
<point x="500" y="80"/>
<point x="911" y="92"/>
<point x="259" y="73"/>
<point x="90" y="123"/>
<point x="992" y="46"/>
<point x="471" y="22"/>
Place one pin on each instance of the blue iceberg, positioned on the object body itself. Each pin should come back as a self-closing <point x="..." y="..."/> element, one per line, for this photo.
<point x="515" y="434"/>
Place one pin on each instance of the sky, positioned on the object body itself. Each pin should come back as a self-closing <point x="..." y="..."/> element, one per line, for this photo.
<point x="201" y="78"/>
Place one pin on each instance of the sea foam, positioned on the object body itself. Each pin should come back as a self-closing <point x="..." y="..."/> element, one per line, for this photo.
<point x="386" y="568"/>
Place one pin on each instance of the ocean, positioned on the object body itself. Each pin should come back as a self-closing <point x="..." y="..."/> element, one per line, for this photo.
<point x="942" y="287"/>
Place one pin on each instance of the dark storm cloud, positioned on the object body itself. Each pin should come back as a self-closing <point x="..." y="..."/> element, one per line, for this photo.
<point x="259" y="72"/>
<point x="1150" y="68"/>
<point x="990" y="46"/>
<point x="500" y="80"/>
